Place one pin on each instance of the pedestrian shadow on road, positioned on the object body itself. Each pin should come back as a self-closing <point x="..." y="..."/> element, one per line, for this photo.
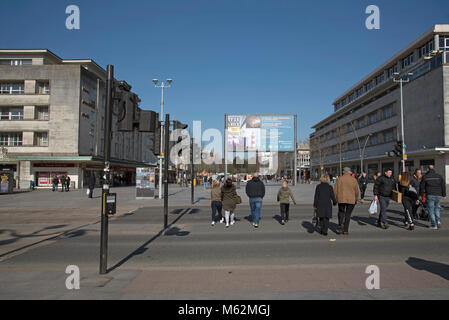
<point x="278" y="218"/>
<point x="440" y="269"/>
<point x="363" y="221"/>
<point x="175" y="231"/>
<point x="38" y="233"/>
<point x="308" y="226"/>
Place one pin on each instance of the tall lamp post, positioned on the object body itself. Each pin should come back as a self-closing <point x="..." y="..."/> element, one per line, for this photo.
<point x="402" y="80"/>
<point x="162" y="86"/>
<point x="361" y="150"/>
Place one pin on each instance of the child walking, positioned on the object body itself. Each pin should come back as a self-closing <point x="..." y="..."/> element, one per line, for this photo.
<point x="284" y="195"/>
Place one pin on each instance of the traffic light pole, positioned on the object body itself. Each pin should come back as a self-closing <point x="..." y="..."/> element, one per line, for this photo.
<point x="107" y="167"/>
<point x="166" y="158"/>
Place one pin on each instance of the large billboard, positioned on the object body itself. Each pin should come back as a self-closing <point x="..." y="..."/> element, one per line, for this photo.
<point x="260" y="133"/>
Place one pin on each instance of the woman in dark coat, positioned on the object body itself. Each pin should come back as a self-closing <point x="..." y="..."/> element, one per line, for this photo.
<point x="229" y="201"/>
<point x="324" y="199"/>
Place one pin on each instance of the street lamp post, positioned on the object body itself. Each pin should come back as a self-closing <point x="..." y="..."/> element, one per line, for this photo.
<point x="361" y="150"/>
<point x="399" y="80"/>
<point x="162" y="86"/>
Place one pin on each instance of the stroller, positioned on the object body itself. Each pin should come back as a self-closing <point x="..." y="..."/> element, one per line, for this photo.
<point x="422" y="211"/>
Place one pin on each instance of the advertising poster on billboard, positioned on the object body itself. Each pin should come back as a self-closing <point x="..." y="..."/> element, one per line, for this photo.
<point x="247" y="133"/>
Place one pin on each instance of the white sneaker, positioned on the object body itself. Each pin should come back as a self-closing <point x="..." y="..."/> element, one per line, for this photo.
<point x="227" y="225"/>
<point x="433" y="228"/>
<point x="213" y="223"/>
<point x="232" y="223"/>
<point x="222" y="220"/>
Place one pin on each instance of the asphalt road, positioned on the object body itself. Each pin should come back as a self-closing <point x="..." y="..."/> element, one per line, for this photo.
<point x="193" y="260"/>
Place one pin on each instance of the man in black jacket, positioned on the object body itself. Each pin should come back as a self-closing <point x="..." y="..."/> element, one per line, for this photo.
<point x="255" y="190"/>
<point x="91" y="184"/>
<point x="434" y="186"/>
<point x="363" y="183"/>
<point x="383" y="190"/>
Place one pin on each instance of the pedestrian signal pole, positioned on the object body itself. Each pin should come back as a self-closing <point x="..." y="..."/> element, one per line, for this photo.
<point x="107" y="168"/>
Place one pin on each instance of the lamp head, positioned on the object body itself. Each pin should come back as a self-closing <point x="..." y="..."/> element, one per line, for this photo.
<point x="155" y="81"/>
<point x="169" y="81"/>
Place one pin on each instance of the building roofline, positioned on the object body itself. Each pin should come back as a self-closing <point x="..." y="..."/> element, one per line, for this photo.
<point x="438" y="28"/>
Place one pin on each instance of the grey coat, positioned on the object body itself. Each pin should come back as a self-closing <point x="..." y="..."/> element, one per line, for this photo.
<point x="228" y="197"/>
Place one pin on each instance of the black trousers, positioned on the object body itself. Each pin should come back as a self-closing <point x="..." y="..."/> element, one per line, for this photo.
<point x="344" y="215"/>
<point x="285" y="207"/>
<point x="362" y="190"/>
<point x="324" y="225"/>
<point x="408" y="209"/>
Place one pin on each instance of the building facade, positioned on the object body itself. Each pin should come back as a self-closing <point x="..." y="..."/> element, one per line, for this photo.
<point x="303" y="159"/>
<point x="52" y="121"/>
<point x="366" y="123"/>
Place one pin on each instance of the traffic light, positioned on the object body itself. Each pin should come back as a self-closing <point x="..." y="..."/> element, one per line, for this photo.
<point x="157" y="137"/>
<point x="398" y="149"/>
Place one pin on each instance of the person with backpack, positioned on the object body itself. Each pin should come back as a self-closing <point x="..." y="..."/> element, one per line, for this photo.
<point x="323" y="201"/>
<point x="284" y="195"/>
<point x="383" y="191"/>
<point x="229" y="198"/>
<point x="346" y="191"/>
<point x="434" y="187"/>
<point x="408" y="188"/>
<point x="363" y="183"/>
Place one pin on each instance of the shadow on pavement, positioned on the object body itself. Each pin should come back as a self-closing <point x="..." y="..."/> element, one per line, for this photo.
<point x="440" y="269"/>
<point x="169" y="231"/>
<point x="308" y="226"/>
<point x="16" y="237"/>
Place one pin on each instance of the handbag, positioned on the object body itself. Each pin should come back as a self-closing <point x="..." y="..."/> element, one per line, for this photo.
<point x="238" y="200"/>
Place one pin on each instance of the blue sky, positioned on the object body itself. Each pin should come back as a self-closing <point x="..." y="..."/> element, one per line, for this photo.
<point x="289" y="57"/>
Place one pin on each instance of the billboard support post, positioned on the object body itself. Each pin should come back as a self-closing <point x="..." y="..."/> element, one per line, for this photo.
<point x="295" y="179"/>
<point x="225" y="148"/>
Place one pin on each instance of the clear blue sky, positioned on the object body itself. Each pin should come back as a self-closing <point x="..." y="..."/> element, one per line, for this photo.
<point x="233" y="56"/>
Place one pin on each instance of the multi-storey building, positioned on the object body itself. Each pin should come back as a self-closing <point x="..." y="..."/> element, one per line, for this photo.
<point x="52" y="121"/>
<point x="303" y="158"/>
<point x="366" y="123"/>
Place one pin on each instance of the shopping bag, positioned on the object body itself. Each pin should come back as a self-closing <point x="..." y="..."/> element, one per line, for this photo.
<point x="88" y="192"/>
<point x="373" y="207"/>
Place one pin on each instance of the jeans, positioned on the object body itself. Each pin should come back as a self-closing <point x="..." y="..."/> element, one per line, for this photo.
<point x="256" y="205"/>
<point x="384" y="202"/>
<point x="216" y="206"/>
<point x="433" y="203"/>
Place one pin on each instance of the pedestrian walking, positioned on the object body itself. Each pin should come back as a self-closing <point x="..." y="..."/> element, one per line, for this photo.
<point x="229" y="201"/>
<point x="383" y="190"/>
<point x="434" y="187"/>
<point x="91" y="184"/>
<point x="346" y="191"/>
<point x="255" y="190"/>
<point x="323" y="201"/>
<point x="216" y="204"/>
<point x="63" y="181"/>
<point x="408" y="188"/>
<point x="55" y="182"/>
<point x="284" y="195"/>
<point x="417" y="178"/>
<point x="363" y="183"/>
<point x="67" y="183"/>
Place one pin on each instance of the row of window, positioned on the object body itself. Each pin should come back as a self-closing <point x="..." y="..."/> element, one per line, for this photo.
<point x="16" y="62"/>
<point x="351" y="145"/>
<point x="423" y="51"/>
<point x="42" y="87"/>
<point x="387" y="112"/>
<point x="15" y="139"/>
<point x="16" y="113"/>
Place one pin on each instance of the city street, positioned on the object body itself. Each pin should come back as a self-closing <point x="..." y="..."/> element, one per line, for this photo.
<point x="193" y="260"/>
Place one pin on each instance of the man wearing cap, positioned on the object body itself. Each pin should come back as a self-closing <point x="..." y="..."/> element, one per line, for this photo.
<point x="346" y="191"/>
<point x="383" y="190"/>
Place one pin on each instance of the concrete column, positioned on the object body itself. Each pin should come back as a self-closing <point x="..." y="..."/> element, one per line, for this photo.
<point x="28" y="138"/>
<point x="30" y="86"/>
<point x="25" y="174"/>
<point x="28" y="112"/>
<point x="437" y="42"/>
